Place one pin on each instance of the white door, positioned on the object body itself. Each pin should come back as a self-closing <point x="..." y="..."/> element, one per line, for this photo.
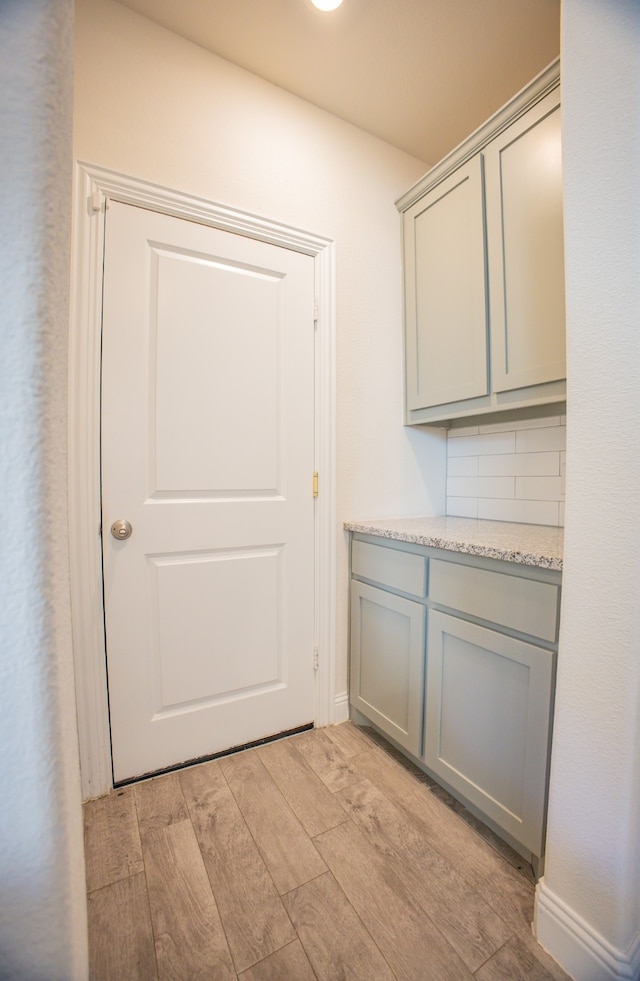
<point x="208" y="452"/>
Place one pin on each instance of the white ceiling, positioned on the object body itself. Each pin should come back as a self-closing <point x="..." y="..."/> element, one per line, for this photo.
<point x="420" y="74"/>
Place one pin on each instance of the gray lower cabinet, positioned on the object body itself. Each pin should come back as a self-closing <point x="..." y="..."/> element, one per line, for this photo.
<point x="387" y="662"/>
<point x="487" y="722"/>
<point x="454" y="657"/>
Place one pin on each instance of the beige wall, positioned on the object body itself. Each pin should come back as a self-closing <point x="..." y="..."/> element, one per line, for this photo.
<point x="589" y="902"/>
<point x="159" y="108"/>
<point x="42" y="891"/>
<point x="150" y="104"/>
<point x="137" y="117"/>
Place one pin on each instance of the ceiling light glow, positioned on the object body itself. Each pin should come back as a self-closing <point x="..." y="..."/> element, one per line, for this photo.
<point x="326" y="4"/>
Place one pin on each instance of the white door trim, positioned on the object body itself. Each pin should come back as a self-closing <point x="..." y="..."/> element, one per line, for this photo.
<point x="93" y="186"/>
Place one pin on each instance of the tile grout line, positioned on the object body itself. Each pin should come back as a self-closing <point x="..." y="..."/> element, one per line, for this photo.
<point x="267" y="869"/>
<point x="206" y="870"/>
<point x="146" y="884"/>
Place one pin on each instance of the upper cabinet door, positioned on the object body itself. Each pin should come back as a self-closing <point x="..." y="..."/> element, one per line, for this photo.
<point x="445" y="292"/>
<point x="523" y="180"/>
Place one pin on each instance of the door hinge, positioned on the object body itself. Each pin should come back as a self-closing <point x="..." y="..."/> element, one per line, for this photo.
<point x="316" y="313"/>
<point x="315" y="658"/>
<point x="98" y="202"/>
<point x="315" y="484"/>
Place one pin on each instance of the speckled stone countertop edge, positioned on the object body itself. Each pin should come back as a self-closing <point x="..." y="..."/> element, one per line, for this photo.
<point x="474" y="537"/>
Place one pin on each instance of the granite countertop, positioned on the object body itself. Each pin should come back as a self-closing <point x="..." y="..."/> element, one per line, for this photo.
<point x="538" y="545"/>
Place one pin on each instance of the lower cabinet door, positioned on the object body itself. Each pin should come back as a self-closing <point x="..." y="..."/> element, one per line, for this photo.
<point x="387" y="662"/>
<point x="487" y="722"/>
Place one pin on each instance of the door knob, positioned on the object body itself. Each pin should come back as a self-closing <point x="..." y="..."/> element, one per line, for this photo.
<point x="121" y="529"/>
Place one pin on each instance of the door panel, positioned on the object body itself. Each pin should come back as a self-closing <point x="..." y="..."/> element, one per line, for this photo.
<point x="387" y="662"/>
<point x="445" y="292"/>
<point x="525" y="240"/>
<point x="204" y="374"/>
<point x="488" y="722"/>
<point x="208" y="450"/>
<point x="201" y="607"/>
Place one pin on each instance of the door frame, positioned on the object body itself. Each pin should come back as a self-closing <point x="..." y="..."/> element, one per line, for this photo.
<point x="93" y="187"/>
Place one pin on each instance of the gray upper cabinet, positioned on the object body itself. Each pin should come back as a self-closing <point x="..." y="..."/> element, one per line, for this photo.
<point x="525" y="249"/>
<point x="444" y="247"/>
<point x="484" y="270"/>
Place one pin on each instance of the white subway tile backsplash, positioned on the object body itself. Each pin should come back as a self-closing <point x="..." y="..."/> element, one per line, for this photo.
<point x="511" y="471"/>
<point x="481" y="486"/>
<point x="539" y="440"/>
<point x="462" y="507"/>
<point x="519" y="464"/>
<point x="527" y="512"/>
<point x="539" y="488"/>
<point x="481" y="444"/>
<point x="462" y="466"/>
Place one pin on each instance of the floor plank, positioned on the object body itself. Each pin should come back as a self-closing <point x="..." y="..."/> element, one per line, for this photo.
<point x="308" y="797"/>
<point x="111" y="839"/>
<point x="190" y="941"/>
<point x="413" y="891"/>
<point x="159" y="802"/>
<point x="252" y="913"/>
<point x="120" y="934"/>
<point x="336" y="942"/>
<point x="286" y="848"/>
<point x="517" y="961"/>
<point x="468" y="922"/>
<point x="412" y="946"/>
<point x="496" y="843"/>
<point x="511" y="895"/>
<point x="288" y="964"/>
<point x="443" y="829"/>
<point x="326" y="759"/>
<point x="348" y="738"/>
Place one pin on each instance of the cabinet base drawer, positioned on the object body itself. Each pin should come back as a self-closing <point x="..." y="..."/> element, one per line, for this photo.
<point x="526" y="605"/>
<point x="403" y="571"/>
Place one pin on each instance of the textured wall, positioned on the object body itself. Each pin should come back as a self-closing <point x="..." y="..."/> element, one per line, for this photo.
<point x="42" y="898"/>
<point x="593" y="849"/>
<point x="152" y="105"/>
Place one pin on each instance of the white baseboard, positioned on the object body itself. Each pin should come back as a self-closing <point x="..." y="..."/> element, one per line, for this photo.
<point x="341" y="707"/>
<point x="579" y="949"/>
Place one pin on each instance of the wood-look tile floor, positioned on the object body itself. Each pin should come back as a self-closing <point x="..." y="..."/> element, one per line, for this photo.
<point x="321" y="856"/>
